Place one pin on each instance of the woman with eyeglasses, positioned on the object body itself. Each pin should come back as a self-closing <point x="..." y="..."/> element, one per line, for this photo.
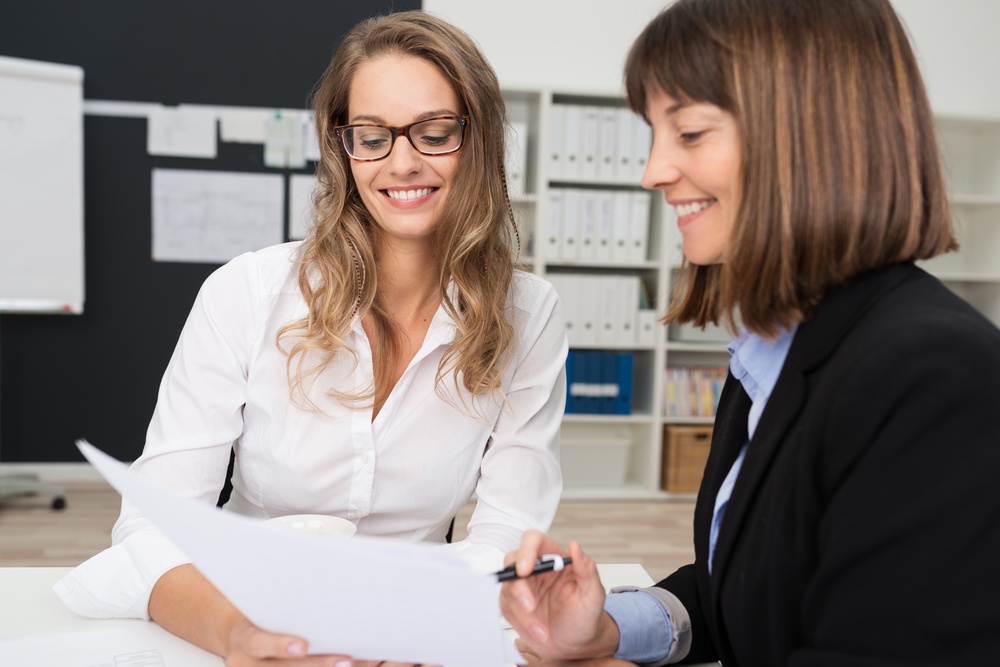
<point x="383" y="370"/>
<point x="849" y="514"/>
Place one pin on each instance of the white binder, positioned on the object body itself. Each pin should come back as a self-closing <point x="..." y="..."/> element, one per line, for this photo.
<point x="628" y="309"/>
<point x="555" y="158"/>
<point x="571" y="139"/>
<point x="553" y="231"/>
<point x="623" y="146"/>
<point x="605" y="224"/>
<point x="583" y="289"/>
<point x="589" y="121"/>
<point x="570" y="239"/>
<point x="639" y="226"/>
<point x="642" y="141"/>
<point x="646" y="327"/>
<point x="607" y="299"/>
<point x="587" y="247"/>
<point x="621" y="244"/>
<point x="516" y="162"/>
<point x="563" y="286"/>
<point x="607" y="135"/>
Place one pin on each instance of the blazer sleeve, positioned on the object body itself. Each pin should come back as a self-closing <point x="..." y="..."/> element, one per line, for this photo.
<point x="908" y="542"/>
<point x="683" y="583"/>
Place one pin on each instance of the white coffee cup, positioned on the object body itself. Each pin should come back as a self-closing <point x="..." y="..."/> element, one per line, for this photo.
<point x="319" y="524"/>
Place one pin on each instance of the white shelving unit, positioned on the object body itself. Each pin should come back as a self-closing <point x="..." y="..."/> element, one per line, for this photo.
<point x="970" y="149"/>
<point x="620" y="457"/>
<point x="607" y="456"/>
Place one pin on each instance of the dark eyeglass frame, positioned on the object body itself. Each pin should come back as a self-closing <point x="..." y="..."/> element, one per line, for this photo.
<point x="404" y="131"/>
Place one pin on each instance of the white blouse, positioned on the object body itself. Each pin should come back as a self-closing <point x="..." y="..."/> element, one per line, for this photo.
<point x="404" y="475"/>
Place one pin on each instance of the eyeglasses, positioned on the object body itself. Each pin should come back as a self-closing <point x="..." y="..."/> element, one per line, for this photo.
<point x="434" y="136"/>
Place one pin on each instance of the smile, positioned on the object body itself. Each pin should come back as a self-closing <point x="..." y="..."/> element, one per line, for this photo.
<point x="406" y="195"/>
<point x="693" y="207"/>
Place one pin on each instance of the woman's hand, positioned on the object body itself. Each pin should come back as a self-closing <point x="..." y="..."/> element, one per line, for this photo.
<point x="558" y="615"/>
<point x="251" y="646"/>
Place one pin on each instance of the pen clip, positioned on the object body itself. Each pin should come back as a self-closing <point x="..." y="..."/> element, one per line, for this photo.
<point x="558" y="562"/>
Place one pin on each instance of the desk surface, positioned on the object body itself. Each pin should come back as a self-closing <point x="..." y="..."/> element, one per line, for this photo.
<point x="28" y="606"/>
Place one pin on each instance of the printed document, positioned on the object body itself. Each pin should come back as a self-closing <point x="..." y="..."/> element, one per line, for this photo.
<point x="370" y="598"/>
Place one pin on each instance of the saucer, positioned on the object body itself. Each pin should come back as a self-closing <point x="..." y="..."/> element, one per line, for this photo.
<point x="320" y="524"/>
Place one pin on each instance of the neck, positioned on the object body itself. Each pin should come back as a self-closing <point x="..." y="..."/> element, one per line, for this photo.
<point x="408" y="283"/>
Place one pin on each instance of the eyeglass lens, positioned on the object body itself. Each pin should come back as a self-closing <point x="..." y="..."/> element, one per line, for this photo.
<point x="430" y="137"/>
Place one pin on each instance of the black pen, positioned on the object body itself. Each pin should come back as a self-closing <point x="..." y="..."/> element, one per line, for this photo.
<point x="547" y="563"/>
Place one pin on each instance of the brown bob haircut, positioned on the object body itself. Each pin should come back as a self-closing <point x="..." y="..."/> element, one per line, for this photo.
<point x="840" y="166"/>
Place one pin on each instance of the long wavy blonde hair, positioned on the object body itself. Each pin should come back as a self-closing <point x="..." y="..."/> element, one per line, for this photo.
<point x="476" y="237"/>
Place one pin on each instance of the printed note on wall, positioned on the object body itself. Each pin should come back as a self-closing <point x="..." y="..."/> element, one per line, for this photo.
<point x="213" y="216"/>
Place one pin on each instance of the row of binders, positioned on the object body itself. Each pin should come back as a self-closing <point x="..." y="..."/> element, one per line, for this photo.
<point x="597" y="225"/>
<point x="693" y="392"/>
<point x="605" y="309"/>
<point x="597" y="143"/>
<point x="599" y="382"/>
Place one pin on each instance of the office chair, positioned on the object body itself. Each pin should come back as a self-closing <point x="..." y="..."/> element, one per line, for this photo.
<point x="30" y="485"/>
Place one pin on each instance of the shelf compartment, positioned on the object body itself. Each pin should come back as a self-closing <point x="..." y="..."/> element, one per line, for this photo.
<point x="971" y="154"/>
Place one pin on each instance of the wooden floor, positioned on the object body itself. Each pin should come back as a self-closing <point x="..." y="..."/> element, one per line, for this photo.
<point x="655" y="534"/>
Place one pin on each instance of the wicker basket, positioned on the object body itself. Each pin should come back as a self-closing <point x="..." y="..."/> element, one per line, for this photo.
<point x="685" y="451"/>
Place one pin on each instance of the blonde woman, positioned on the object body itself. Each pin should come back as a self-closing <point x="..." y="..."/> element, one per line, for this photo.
<point x="383" y="371"/>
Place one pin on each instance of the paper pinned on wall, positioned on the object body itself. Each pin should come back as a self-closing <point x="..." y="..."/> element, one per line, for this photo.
<point x="285" y="139"/>
<point x="300" y="205"/>
<point x="245" y="126"/>
<point x="213" y="216"/>
<point x="181" y="132"/>
<point x="370" y="598"/>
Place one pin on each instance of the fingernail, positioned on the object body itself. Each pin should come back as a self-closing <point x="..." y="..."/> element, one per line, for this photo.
<point x="342" y="663"/>
<point x="538" y="632"/>
<point x="296" y="648"/>
<point x="525" y="602"/>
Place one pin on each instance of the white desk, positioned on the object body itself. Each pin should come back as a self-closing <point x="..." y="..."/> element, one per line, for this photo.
<point x="28" y="606"/>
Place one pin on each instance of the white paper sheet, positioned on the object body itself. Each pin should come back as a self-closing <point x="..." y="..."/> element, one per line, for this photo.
<point x="139" y="645"/>
<point x="213" y="216"/>
<point x="371" y="598"/>
<point x="300" y="205"/>
<point x="181" y="132"/>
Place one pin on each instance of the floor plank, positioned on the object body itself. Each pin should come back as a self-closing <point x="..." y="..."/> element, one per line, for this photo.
<point x="656" y="534"/>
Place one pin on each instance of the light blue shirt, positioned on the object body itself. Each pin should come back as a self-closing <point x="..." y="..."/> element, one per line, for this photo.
<point x="646" y="634"/>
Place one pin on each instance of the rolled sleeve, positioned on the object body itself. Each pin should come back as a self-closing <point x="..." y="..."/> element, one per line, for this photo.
<point x="653" y="624"/>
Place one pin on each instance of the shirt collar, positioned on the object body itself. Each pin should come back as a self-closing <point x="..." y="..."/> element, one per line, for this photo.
<point x="756" y="361"/>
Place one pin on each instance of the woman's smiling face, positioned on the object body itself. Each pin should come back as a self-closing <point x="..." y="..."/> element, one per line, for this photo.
<point x="406" y="191"/>
<point x="695" y="161"/>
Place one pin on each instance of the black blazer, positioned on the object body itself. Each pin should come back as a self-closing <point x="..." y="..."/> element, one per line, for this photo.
<point x="864" y="527"/>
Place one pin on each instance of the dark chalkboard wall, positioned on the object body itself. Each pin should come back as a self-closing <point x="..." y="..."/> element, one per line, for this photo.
<point x="96" y="375"/>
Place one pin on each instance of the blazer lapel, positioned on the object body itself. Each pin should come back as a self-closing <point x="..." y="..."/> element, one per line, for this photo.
<point x="815" y="340"/>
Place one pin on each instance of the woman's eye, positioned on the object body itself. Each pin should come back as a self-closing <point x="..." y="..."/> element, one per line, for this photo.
<point x="372" y="144"/>
<point x="431" y="140"/>
<point x="690" y="137"/>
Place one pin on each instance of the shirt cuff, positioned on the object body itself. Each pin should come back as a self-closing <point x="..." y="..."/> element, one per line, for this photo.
<point x="654" y="625"/>
<point x="646" y="634"/>
<point x="117" y="582"/>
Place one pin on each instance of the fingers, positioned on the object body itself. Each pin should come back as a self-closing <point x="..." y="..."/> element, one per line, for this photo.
<point x="249" y="645"/>
<point x="533" y="546"/>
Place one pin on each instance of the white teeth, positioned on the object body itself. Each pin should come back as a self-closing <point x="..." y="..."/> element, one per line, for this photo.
<point x="693" y="207"/>
<point x="408" y="194"/>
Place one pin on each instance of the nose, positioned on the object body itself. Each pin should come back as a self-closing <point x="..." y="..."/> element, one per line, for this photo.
<point x="661" y="168"/>
<point x="403" y="157"/>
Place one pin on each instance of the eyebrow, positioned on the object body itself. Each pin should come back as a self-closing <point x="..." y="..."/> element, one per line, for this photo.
<point x="675" y="107"/>
<point x="424" y="116"/>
